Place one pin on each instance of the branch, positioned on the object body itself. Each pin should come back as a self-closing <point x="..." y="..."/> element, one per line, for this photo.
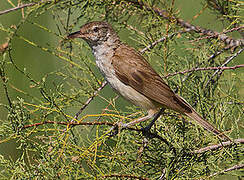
<point x="22" y="6"/>
<point x="230" y="42"/>
<point x="4" y="82"/>
<point x="217" y="146"/>
<point x="68" y="123"/>
<point x="162" y="39"/>
<point x="236" y="167"/>
<point x="124" y="176"/>
<point x="16" y="8"/>
<point x="204" y="69"/>
<point x="213" y="56"/>
<point x="148" y="134"/>
<point x="152" y="135"/>
<point x="225" y="32"/>
<point x="228" y="60"/>
<point x="89" y="100"/>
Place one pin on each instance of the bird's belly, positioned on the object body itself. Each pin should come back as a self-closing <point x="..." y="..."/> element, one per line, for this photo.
<point x="125" y="91"/>
<point x="131" y="94"/>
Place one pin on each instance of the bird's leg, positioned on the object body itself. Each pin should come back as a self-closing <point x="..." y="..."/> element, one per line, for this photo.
<point x="151" y="114"/>
<point x="155" y="117"/>
<point x="120" y="126"/>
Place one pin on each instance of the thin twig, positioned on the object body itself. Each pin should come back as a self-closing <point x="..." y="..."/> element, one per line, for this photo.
<point x="104" y="110"/>
<point x="124" y="176"/>
<point x="228" y="60"/>
<point x="213" y="36"/>
<point x="68" y="123"/>
<point x="89" y="100"/>
<point x="204" y="69"/>
<point x="236" y="167"/>
<point x="16" y="8"/>
<point x="163" y="39"/>
<point x="23" y="6"/>
<point x="214" y="55"/>
<point x="216" y="146"/>
<point x="166" y="15"/>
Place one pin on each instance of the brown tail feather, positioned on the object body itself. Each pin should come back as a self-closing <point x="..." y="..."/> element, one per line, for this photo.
<point x="195" y="116"/>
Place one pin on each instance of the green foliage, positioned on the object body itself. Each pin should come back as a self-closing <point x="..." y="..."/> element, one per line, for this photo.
<point x="46" y="79"/>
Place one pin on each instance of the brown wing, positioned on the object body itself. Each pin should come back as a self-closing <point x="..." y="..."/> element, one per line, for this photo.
<point x="133" y="70"/>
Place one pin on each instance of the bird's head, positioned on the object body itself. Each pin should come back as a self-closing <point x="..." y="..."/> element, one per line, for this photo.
<point x="94" y="32"/>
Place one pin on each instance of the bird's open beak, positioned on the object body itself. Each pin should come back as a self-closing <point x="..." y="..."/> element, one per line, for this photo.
<point x="74" y="35"/>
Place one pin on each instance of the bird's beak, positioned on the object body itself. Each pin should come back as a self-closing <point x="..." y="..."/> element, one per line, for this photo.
<point x="74" y="35"/>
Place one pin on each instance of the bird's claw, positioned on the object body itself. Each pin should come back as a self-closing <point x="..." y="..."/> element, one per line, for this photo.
<point x="146" y="132"/>
<point x="118" y="127"/>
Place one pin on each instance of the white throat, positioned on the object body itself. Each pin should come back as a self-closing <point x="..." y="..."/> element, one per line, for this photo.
<point x="103" y="53"/>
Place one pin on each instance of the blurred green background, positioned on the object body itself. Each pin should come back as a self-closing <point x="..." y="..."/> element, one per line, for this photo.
<point x="39" y="63"/>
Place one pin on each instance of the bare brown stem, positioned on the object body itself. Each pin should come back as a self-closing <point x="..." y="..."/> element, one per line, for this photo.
<point x="22" y="6"/>
<point x="236" y="167"/>
<point x="163" y="39"/>
<point x="205" y="69"/>
<point x="68" y="123"/>
<point x="16" y="8"/>
<point x="229" y="41"/>
<point x="228" y="60"/>
<point x="124" y="176"/>
<point x="217" y="146"/>
<point x="89" y="100"/>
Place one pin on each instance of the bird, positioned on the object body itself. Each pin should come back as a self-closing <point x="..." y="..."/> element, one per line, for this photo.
<point x="131" y="76"/>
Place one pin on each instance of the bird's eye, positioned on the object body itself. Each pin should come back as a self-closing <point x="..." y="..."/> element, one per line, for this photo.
<point x="95" y="29"/>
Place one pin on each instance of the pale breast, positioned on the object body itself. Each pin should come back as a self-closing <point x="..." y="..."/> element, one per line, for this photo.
<point x="131" y="94"/>
<point x="103" y="61"/>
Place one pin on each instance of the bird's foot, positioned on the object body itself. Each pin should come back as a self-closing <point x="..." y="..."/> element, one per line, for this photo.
<point x="118" y="127"/>
<point x="146" y="132"/>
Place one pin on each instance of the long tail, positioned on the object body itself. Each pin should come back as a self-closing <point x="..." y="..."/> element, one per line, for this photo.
<point x="195" y="116"/>
<point x="206" y="125"/>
